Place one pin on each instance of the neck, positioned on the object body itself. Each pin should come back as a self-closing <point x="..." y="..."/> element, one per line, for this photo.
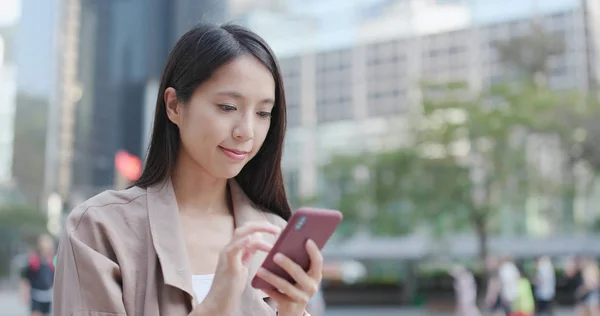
<point x="196" y="191"/>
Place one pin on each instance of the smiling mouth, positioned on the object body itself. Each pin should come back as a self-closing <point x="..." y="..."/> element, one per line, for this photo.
<point x="234" y="154"/>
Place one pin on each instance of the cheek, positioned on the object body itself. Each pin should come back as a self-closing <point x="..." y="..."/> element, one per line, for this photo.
<point x="199" y="131"/>
<point x="261" y="133"/>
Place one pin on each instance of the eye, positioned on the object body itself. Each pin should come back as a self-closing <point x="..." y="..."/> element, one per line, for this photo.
<point x="264" y="114"/>
<point x="227" y="108"/>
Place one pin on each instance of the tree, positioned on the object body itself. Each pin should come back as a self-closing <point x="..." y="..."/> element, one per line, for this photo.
<point x="388" y="193"/>
<point x="575" y="121"/>
<point x="19" y="226"/>
<point x="371" y="190"/>
<point x="29" y="146"/>
<point x="528" y="55"/>
<point x="481" y="139"/>
<point x="580" y="142"/>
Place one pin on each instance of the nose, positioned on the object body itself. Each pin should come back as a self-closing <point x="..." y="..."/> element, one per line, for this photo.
<point x="244" y="129"/>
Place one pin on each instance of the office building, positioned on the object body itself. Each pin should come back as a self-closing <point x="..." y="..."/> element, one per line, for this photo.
<point x="35" y="58"/>
<point x="112" y="58"/>
<point x="8" y="93"/>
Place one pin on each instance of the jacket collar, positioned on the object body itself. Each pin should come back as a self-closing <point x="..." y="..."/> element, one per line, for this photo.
<point x="167" y="235"/>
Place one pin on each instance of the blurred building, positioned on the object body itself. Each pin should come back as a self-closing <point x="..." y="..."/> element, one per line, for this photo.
<point x="36" y="60"/>
<point x="8" y="93"/>
<point x="112" y="56"/>
<point x="352" y="81"/>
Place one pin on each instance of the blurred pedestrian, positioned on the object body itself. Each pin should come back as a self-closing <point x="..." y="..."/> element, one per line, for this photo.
<point x="523" y="303"/>
<point x="493" y="297"/>
<point x="37" y="277"/>
<point x="545" y="286"/>
<point x="575" y="280"/>
<point x="588" y="290"/>
<point x="466" y="292"/>
<point x="509" y="277"/>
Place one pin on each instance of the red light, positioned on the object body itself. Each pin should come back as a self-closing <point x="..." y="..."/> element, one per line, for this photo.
<point x="129" y="166"/>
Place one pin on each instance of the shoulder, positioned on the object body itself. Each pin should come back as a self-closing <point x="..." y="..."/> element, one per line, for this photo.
<point x="275" y="219"/>
<point x="108" y="209"/>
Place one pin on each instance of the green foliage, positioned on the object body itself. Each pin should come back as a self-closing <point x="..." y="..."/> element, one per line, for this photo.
<point x="19" y="226"/>
<point x="434" y="180"/>
<point x="25" y="219"/>
<point x="528" y="55"/>
<point x="380" y="200"/>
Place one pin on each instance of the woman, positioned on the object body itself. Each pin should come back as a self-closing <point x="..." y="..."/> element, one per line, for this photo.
<point x="588" y="291"/>
<point x="545" y="286"/>
<point x="572" y="270"/>
<point x="465" y="289"/>
<point x="493" y="298"/>
<point x="190" y="234"/>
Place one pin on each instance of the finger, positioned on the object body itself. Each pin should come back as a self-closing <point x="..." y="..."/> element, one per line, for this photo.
<point x="254" y="246"/>
<point x="283" y="286"/>
<point x="258" y="245"/>
<point x="255" y="227"/>
<point x="316" y="261"/>
<point x="249" y="243"/>
<point x="275" y="295"/>
<point x="303" y="280"/>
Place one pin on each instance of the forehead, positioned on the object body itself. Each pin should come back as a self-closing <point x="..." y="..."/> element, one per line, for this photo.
<point x="245" y="75"/>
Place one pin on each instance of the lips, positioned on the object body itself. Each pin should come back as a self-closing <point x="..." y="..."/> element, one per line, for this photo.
<point x="234" y="154"/>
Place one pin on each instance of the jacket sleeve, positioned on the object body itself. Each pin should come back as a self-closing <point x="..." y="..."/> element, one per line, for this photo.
<point x="87" y="280"/>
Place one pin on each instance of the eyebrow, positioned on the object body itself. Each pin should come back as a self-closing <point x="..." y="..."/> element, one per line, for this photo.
<point x="239" y="96"/>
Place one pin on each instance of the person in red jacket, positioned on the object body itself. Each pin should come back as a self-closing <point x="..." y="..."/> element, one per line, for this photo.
<point x="37" y="277"/>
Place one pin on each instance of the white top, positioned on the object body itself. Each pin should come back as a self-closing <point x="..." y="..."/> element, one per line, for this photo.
<point x="509" y="280"/>
<point x="546" y="280"/>
<point x="201" y="284"/>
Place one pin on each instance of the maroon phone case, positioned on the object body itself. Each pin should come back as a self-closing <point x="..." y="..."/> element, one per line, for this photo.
<point x="319" y="225"/>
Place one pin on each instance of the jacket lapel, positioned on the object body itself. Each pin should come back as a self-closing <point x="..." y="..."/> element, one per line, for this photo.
<point x="167" y="237"/>
<point x="244" y="211"/>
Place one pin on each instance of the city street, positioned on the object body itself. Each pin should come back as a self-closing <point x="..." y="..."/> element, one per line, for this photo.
<point x="10" y="305"/>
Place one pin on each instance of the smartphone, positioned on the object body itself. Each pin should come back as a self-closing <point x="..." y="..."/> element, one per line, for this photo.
<point x="306" y="223"/>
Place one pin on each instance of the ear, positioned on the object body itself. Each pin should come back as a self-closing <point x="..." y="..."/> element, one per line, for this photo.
<point x="173" y="106"/>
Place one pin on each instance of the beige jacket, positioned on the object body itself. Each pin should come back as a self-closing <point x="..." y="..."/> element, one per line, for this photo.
<point x="123" y="253"/>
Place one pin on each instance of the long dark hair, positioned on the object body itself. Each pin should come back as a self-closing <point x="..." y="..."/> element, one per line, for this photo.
<point x="196" y="55"/>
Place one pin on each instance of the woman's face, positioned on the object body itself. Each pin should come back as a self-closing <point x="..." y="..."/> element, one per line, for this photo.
<point x="227" y="119"/>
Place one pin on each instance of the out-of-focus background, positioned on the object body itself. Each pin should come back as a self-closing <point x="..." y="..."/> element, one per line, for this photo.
<point x="447" y="131"/>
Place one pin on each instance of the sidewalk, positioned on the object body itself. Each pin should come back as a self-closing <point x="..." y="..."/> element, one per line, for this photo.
<point x="10" y="304"/>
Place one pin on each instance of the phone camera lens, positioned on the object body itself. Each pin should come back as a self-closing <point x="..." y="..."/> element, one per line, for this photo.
<point x="300" y="223"/>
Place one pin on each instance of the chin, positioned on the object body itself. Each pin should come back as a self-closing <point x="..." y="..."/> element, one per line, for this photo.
<point x="228" y="172"/>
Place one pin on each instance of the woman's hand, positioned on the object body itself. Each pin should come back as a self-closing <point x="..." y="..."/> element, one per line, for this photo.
<point x="231" y="276"/>
<point x="292" y="299"/>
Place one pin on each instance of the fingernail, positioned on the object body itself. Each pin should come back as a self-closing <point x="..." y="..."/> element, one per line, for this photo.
<point x="278" y="257"/>
<point x="260" y="271"/>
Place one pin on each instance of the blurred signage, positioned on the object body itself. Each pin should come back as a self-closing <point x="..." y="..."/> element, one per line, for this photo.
<point x="128" y="166"/>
